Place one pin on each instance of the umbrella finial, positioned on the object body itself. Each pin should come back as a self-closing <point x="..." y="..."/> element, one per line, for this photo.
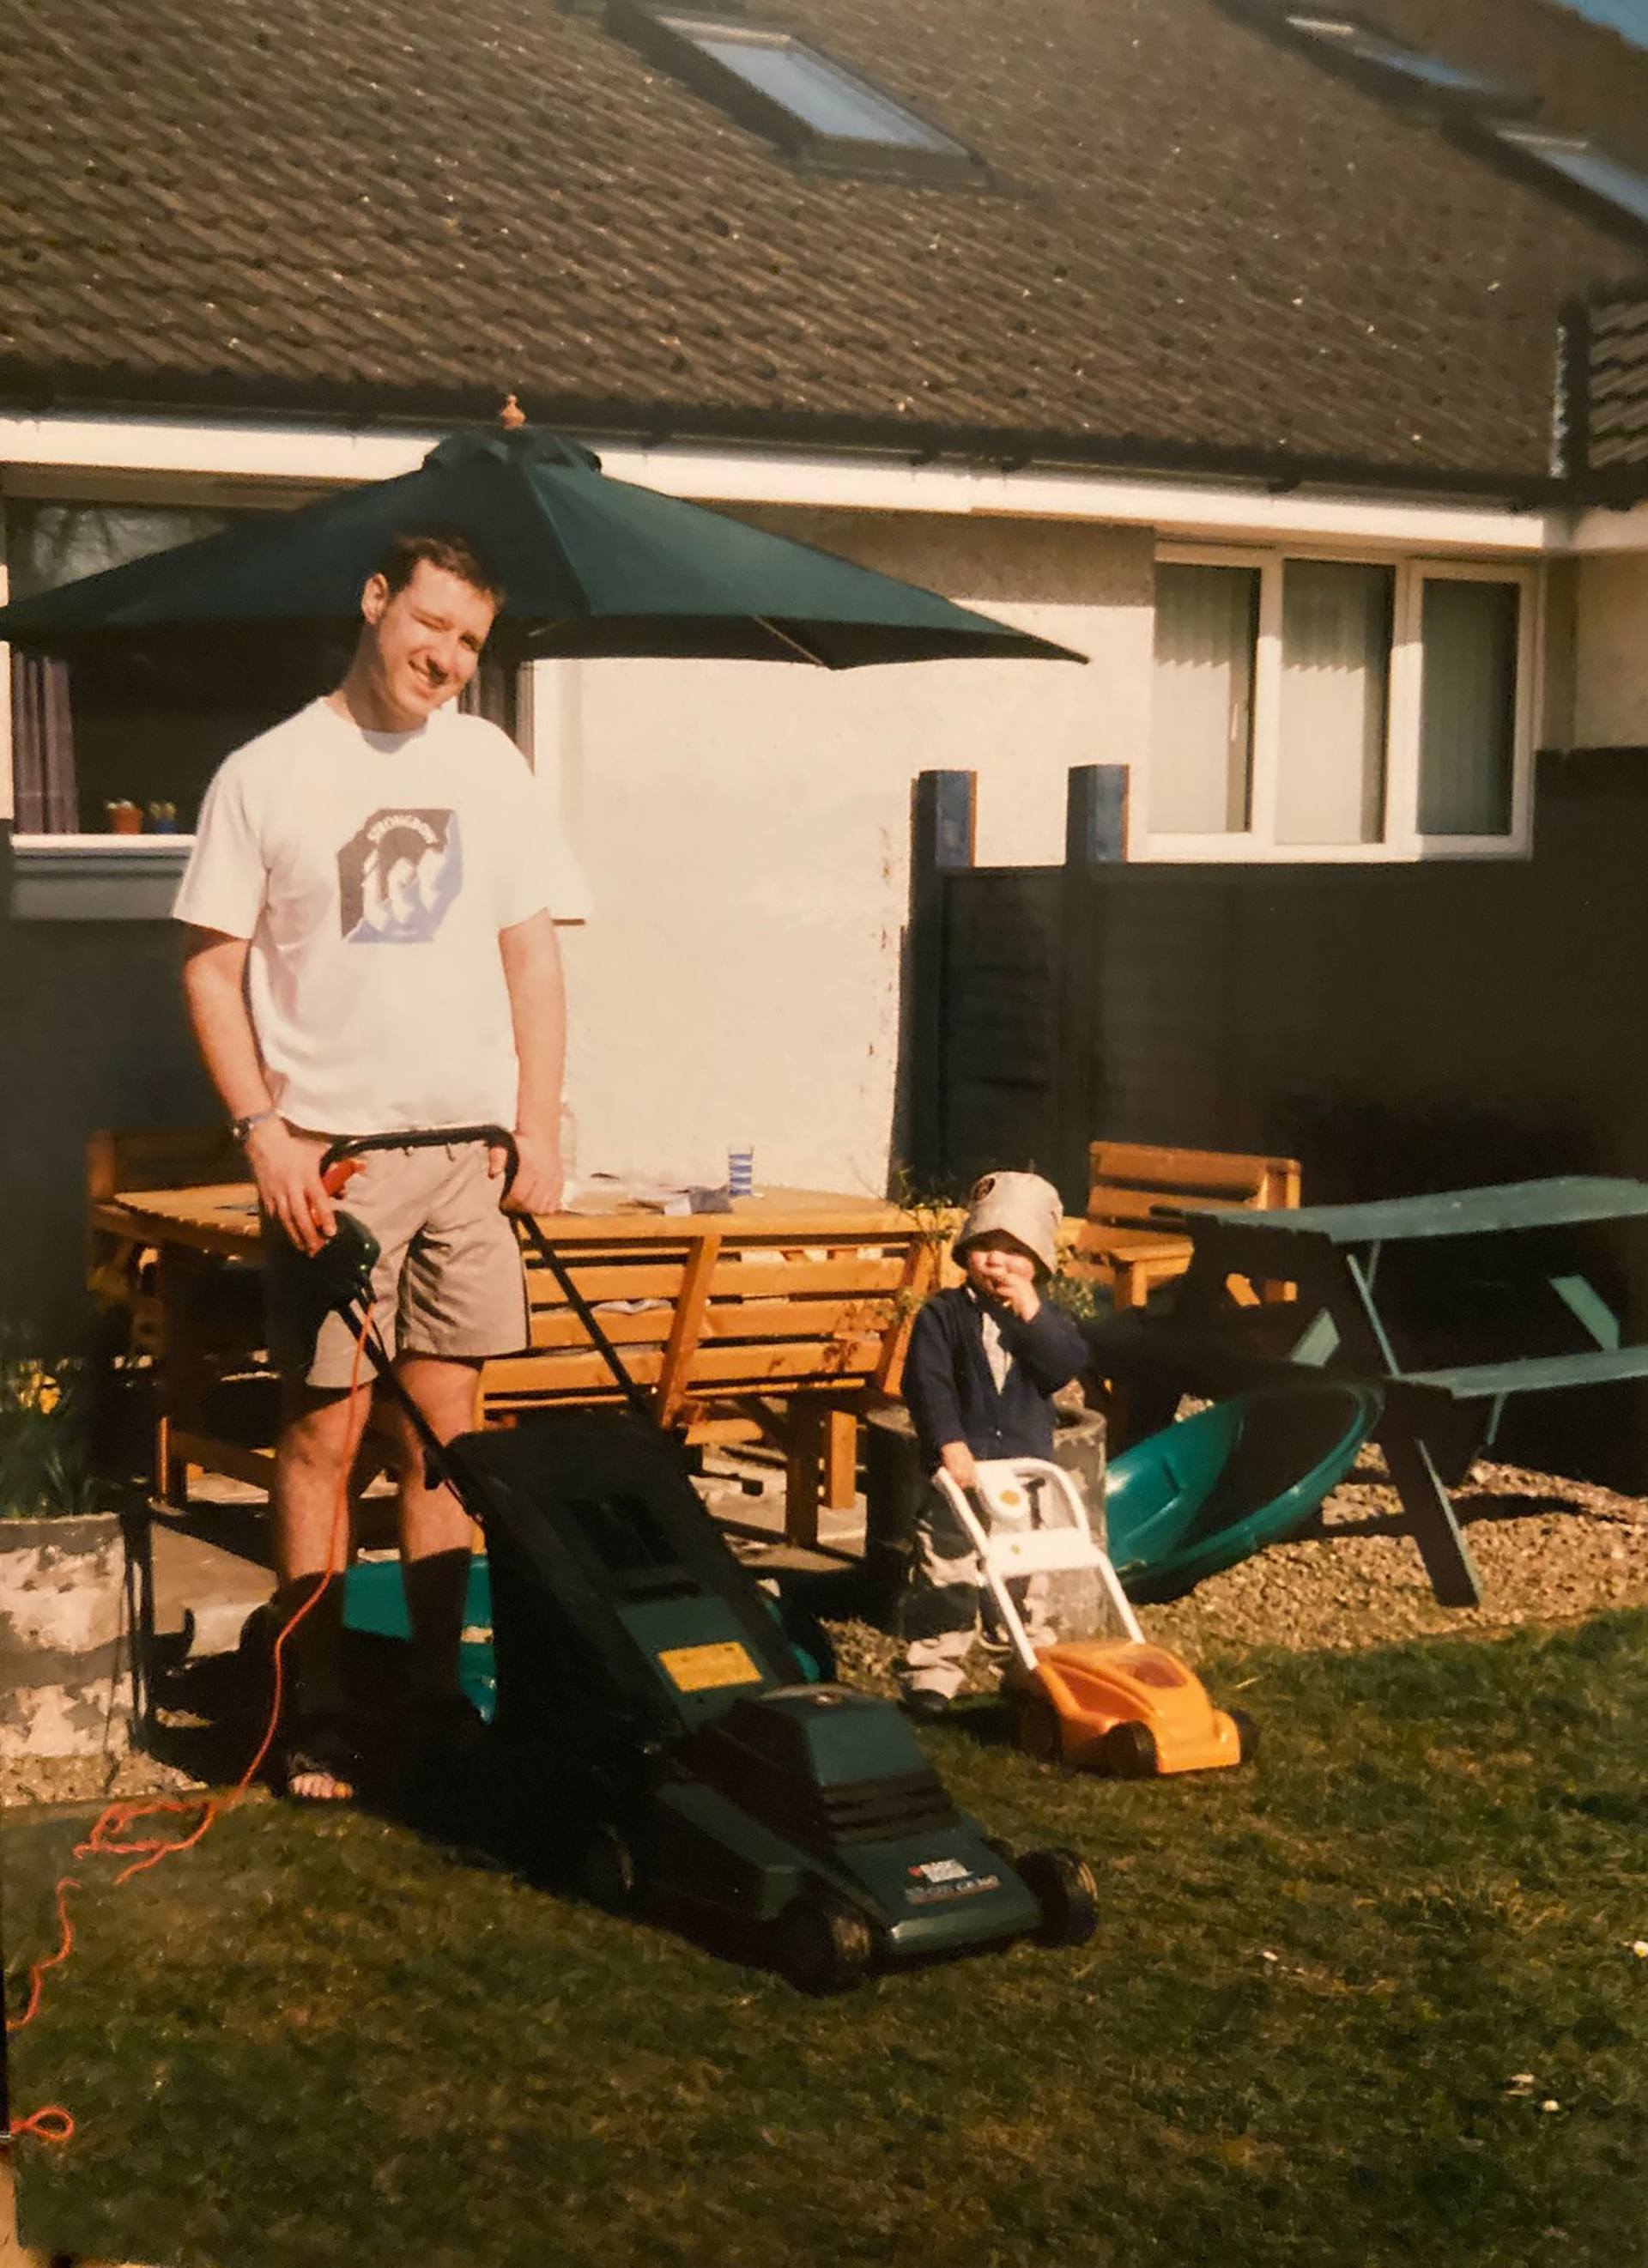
<point x="511" y="416"/>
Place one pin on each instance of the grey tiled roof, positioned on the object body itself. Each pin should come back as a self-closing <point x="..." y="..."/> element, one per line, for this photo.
<point x="1213" y="253"/>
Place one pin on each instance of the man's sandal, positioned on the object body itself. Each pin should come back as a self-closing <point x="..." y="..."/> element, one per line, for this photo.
<point x="319" y="1748"/>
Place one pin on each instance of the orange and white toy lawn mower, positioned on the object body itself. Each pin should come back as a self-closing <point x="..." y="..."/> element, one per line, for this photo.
<point x="1118" y="1705"/>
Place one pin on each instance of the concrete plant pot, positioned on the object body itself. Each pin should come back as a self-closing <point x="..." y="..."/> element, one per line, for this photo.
<point x="69" y="1681"/>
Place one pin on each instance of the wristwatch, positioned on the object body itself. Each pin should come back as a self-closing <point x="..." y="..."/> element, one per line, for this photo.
<point x="241" y="1127"/>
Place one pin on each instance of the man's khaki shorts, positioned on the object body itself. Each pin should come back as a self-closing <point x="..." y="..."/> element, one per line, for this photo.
<point x="449" y="1280"/>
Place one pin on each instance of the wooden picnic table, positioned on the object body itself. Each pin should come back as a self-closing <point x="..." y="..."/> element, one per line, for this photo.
<point x="780" y="1319"/>
<point x="1437" y="1417"/>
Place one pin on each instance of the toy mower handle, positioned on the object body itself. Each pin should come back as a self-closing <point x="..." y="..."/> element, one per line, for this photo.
<point x="427" y="1137"/>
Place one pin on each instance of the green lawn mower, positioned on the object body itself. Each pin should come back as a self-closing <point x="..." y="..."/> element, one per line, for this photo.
<point x="652" y="1713"/>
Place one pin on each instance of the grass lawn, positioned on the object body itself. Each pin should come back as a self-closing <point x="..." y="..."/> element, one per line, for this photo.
<point x="1296" y="2039"/>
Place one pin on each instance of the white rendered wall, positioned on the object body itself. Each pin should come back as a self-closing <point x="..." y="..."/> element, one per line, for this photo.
<point x="1611" y="652"/>
<point x="745" y="828"/>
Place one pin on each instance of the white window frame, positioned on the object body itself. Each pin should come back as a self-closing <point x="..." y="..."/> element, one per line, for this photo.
<point x="1400" y="839"/>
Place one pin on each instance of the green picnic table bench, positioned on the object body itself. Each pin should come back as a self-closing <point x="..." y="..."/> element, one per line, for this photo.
<point x="1437" y="1417"/>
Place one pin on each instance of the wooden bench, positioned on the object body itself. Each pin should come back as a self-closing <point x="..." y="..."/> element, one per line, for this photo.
<point x="780" y="1322"/>
<point x="1116" y="1243"/>
<point x="121" y="1264"/>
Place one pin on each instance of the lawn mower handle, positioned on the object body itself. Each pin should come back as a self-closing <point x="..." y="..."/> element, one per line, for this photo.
<point x="427" y="1137"/>
<point x="434" y="1137"/>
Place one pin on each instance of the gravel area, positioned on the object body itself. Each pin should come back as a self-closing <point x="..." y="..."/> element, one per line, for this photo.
<point x="1548" y="1552"/>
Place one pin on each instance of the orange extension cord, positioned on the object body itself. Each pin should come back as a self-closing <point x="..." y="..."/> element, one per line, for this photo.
<point x="52" y="2123"/>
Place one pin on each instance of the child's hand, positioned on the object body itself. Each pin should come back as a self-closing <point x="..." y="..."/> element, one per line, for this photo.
<point x="959" y="1461"/>
<point x="1007" y="1274"/>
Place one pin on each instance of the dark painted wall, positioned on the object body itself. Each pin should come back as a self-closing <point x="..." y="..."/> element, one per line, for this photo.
<point x="91" y="1033"/>
<point x="1397" y="1028"/>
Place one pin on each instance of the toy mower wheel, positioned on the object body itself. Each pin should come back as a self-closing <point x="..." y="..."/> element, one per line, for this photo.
<point x="1247" y="1733"/>
<point x="1129" y="1751"/>
<point x="823" y="1947"/>
<point x="1037" y="1730"/>
<point x="607" y="1870"/>
<point x="1062" y="1883"/>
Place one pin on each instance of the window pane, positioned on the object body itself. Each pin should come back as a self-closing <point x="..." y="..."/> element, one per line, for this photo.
<point x="1207" y="621"/>
<point x="1336" y="667"/>
<point x="48" y="544"/>
<point x="142" y="721"/>
<point x="815" y="89"/>
<point x="1467" y="712"/>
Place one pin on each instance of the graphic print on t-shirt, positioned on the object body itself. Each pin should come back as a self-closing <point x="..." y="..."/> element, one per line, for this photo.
<point x="398" y="875"/>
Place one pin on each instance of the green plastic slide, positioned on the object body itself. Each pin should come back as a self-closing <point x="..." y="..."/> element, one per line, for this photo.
<point x="374" y="1601"/>
<point x="1216" y="1488"/>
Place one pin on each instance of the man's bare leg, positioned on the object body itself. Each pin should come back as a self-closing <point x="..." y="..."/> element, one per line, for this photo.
<point x="314" y="1459"/>
<point x="435" y="1532"/>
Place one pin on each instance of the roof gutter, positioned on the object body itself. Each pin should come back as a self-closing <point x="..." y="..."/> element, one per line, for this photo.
<point x="905" y="440"/>
<point x="63" y="454"/>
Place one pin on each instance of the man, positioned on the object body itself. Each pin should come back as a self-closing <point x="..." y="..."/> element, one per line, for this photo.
<point x="381" y="818"/>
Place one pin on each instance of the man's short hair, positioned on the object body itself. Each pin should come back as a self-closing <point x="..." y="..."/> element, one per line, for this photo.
<point x="453" y="553"/>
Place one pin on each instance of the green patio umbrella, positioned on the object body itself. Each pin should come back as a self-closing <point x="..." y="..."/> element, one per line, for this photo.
<point x="592" y="566"/>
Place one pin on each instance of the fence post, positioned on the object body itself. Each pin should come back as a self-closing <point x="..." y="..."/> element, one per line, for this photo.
<point x="942" y="826"/>
<point x="1095" y="835"/>
<point x="1096" y="815"/>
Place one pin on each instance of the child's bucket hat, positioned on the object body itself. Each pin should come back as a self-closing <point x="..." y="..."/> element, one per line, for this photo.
<point x="1023" y="1205"/>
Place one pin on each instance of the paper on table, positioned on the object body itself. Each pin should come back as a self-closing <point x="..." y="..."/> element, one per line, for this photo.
<point x="600" y="1193"/>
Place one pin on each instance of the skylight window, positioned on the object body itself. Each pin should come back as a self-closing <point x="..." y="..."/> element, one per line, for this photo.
<point x="819" y="91"/>
<point x="817" y="109"/>
<point x="1576" y="160"/>
<point x="1400" y="66"/>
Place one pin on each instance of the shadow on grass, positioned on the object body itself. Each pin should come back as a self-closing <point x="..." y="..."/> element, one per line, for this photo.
<point x="469" y="1808"/>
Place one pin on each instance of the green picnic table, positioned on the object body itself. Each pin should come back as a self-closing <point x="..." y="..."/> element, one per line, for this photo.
<point x="1436" y="1417"/>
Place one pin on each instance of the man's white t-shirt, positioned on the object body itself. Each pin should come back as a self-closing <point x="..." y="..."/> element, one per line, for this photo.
<point x="371" y="873"/>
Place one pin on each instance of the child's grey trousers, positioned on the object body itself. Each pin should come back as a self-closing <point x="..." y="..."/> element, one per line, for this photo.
<point x="945" y="1606"/>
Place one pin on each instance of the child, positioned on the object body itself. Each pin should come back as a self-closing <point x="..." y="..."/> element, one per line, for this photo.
<point x="984" y="1363"/>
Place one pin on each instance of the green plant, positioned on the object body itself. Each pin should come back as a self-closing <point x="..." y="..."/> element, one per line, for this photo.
<point x="1077" y="1295"/>
<point x="47" y="1464"/>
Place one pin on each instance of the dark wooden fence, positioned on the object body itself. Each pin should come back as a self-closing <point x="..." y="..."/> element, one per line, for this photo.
<point x="1396" y="1028"/>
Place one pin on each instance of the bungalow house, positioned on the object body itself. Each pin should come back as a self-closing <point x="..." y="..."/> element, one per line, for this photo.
<point x="1286" y="361"/>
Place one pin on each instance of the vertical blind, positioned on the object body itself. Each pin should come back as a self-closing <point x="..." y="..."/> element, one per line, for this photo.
<point x="1336" y="667"/>
<point x="1207" y="627"/>
<point x="1468" y="709"/>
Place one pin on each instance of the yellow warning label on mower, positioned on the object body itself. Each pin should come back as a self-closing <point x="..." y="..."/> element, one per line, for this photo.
<point x="697" y="1668"/>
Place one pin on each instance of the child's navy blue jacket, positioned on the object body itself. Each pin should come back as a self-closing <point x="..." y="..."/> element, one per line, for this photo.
<point x="950" y="1395"/>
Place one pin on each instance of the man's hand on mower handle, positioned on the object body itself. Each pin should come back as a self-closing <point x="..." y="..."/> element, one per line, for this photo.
<point x="539" y="1179"/>
<point x="286" y="1167"/>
